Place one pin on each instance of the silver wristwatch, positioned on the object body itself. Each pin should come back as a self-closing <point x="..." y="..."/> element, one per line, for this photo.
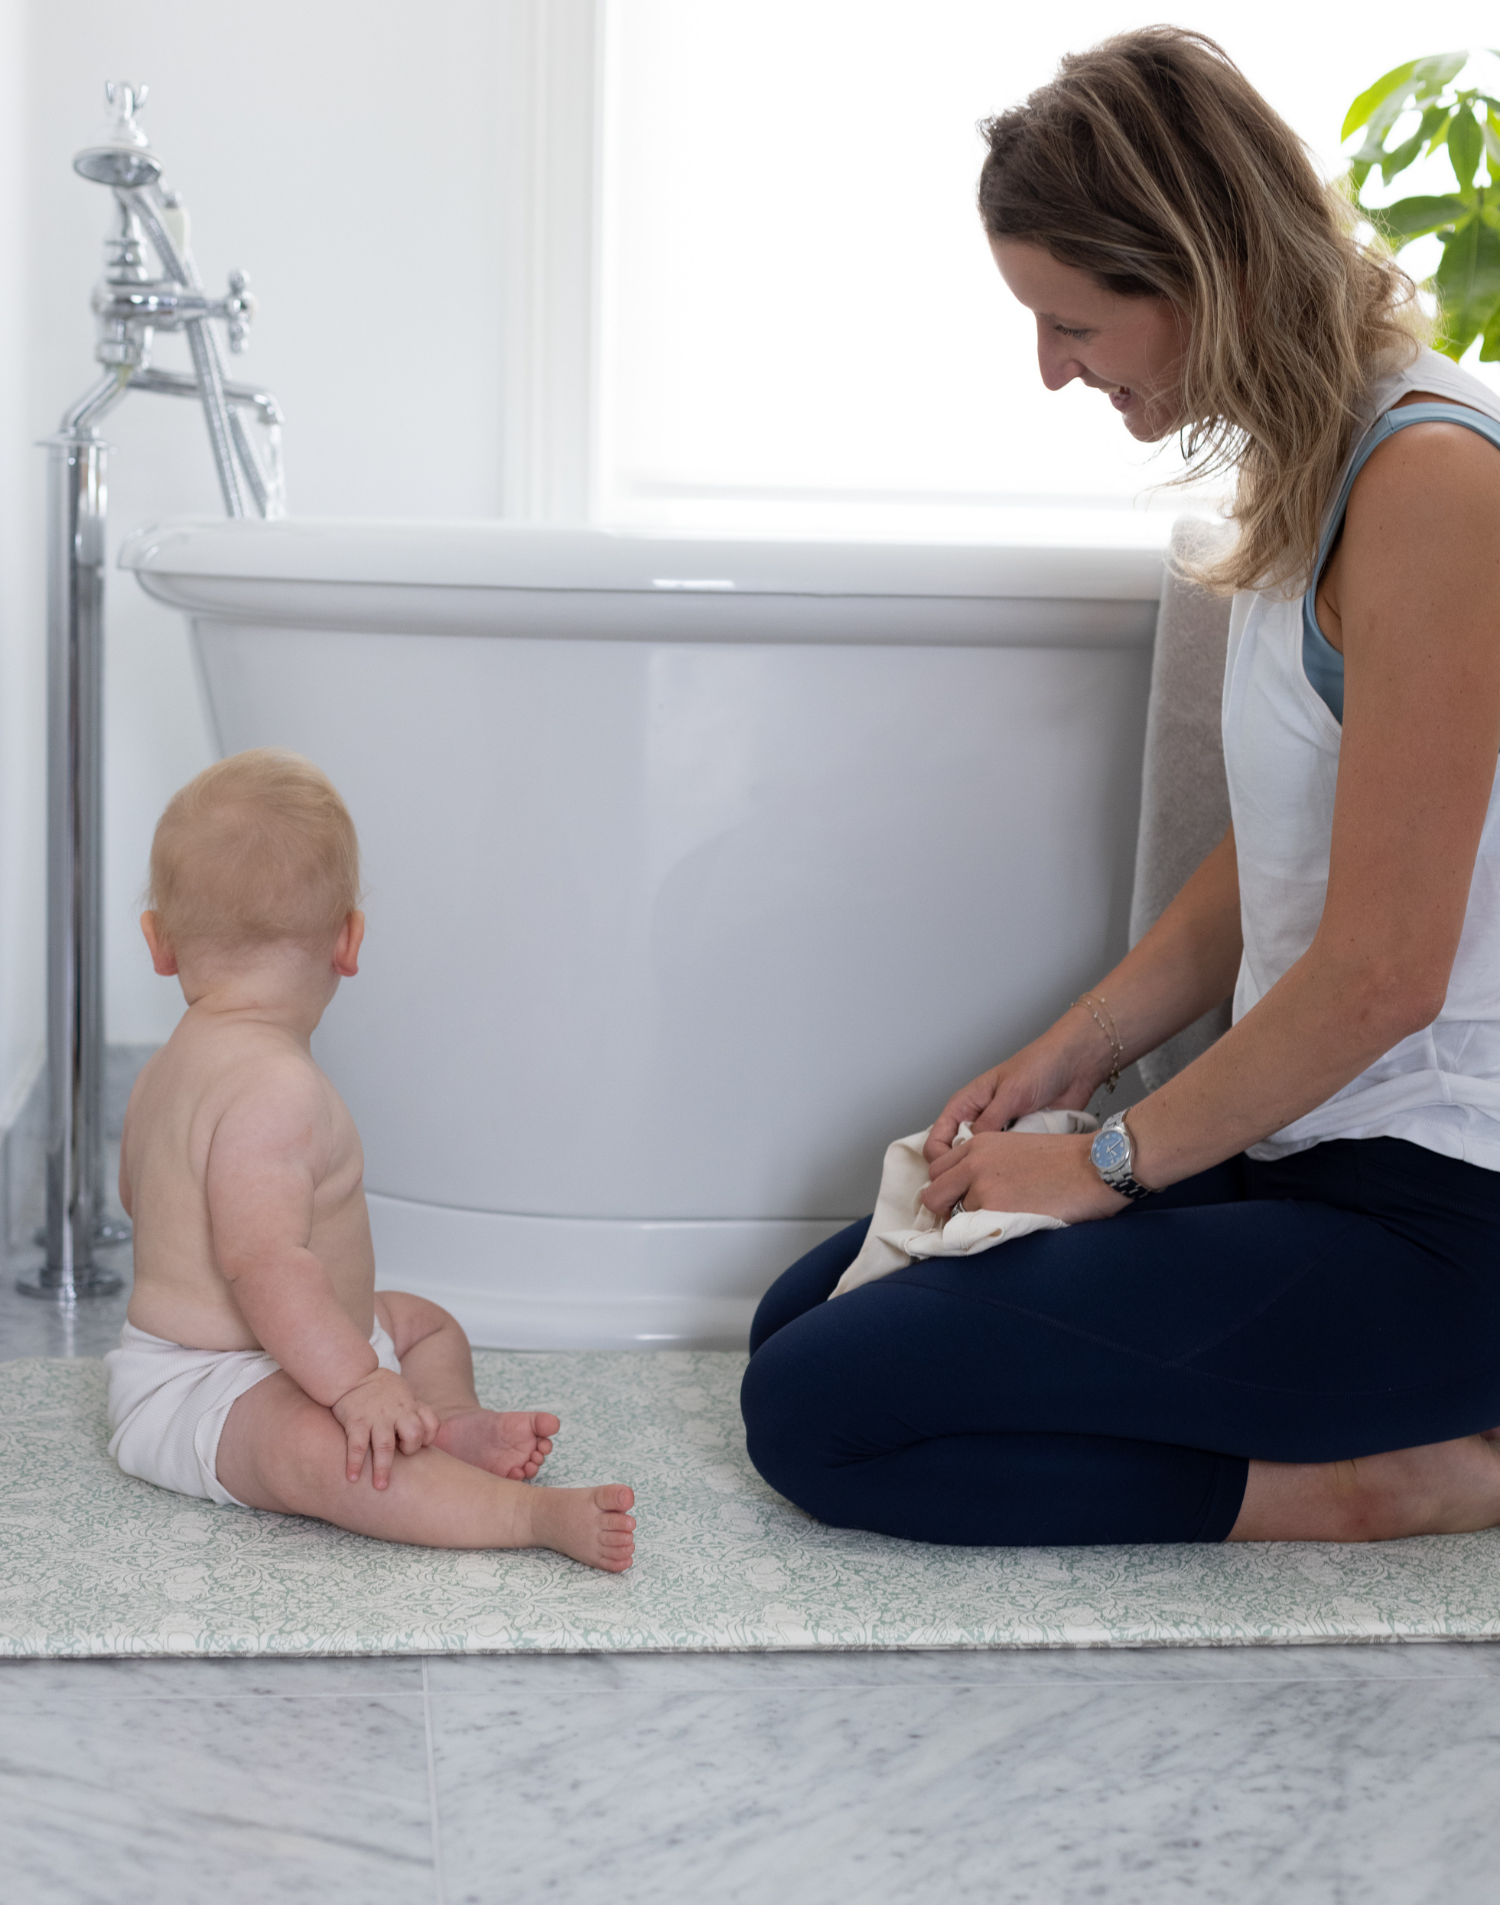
<point x="1113" y="1157"/>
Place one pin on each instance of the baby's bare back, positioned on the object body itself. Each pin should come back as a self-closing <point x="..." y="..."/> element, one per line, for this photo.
<point x="227" y="1115"/>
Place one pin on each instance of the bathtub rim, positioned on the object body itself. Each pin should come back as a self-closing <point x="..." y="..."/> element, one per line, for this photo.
<point x="509" y="580"/>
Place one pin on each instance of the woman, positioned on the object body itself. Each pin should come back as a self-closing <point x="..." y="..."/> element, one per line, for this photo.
<point x="1275" y="1313"/>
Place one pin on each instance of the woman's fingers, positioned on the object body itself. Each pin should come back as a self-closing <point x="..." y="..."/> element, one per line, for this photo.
<point x="962" y="1108"/>
<point x="947" y="1187"/>
<point x="946" y="1161"/>
<point x="940" y="1139"/>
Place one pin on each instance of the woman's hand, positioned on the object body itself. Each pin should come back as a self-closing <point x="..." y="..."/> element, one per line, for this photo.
<point x="1021" y="1170"/>
<point x="1065" y="1066"/>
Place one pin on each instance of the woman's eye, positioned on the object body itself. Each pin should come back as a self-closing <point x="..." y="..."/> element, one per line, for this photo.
<point x="1069" y="333"/>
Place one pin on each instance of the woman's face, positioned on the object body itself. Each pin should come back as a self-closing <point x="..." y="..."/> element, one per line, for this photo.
<point x="1127" y="347"/>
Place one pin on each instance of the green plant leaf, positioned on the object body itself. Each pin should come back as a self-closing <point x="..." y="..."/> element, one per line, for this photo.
<point x="1434" y="120"/>
<point x="1412" y="218"/>
<point x="1381" y="121"/>
<point x="1427" y="79"/>
<point x="1492" y="143"/>
<point x="1467" y="282"/>
<point x="1401" y="156"/>
<point x="1433" y="74"/>
<point x="1434" y="126"/>
<point x="1489" y="350"/>
<point x="1359" y="113"/>
<point x="1465" y="145"/>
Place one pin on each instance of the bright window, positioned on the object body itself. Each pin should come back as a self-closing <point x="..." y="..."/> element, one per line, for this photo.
<point x="802" y="330"/>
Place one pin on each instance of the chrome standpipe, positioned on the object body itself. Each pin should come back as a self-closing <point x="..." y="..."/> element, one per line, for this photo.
<point x="130" y="305"/>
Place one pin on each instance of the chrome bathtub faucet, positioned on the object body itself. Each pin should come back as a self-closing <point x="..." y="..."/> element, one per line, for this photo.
<point x="132" y="302"/>
<point x="131" y="305"/>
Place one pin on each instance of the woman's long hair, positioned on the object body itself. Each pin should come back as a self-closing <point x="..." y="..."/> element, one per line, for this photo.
<point x="1151" y="163"/>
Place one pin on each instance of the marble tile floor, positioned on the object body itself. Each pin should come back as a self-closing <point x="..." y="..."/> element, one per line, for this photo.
<point x="1303" y="1776"/>
<point x="31" y="1326"/>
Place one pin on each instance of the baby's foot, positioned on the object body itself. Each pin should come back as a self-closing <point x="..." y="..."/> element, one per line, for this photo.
<point x="506" y="1442"/>
<point x="590" y="1524"/>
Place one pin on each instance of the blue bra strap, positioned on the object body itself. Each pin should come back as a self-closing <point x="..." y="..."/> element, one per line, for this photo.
<point x="1321" y="661"/>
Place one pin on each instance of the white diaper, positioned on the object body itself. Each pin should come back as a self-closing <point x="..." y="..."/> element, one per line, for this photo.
<point x="168" y="1406"/>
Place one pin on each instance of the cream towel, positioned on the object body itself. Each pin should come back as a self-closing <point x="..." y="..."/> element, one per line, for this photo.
<point x="903" y="1227"/>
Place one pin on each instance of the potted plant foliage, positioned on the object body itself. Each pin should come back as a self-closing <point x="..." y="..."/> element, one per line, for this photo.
<point x="1427" y="111"/>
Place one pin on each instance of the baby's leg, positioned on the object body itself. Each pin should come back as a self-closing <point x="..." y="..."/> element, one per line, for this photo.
<point x="436" y="1361"/>
<point x="283" y="1451"/>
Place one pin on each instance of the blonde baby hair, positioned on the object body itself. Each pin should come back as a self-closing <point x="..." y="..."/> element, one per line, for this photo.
<point x="258" y="849"/>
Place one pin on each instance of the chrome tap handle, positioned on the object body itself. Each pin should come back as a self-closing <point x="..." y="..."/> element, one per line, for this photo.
<point x="239" y="311"/>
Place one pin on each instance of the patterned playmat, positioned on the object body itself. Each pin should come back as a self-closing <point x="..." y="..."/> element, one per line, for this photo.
<point x="92" y="1562"/>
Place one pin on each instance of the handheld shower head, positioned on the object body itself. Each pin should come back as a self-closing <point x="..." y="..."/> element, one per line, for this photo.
<point x="123" y="158"/>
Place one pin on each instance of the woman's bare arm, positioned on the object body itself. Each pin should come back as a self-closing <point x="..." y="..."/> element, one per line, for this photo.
<point x="1415" y="604"/>
<point x="1184" y="966"/>
<point x="1414" y="600"/>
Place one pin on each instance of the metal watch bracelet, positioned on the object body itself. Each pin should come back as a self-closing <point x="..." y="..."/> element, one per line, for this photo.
<point x="1112" y="1154"/>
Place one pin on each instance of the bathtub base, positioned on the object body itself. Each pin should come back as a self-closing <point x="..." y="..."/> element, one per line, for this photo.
<point x="520" y="1282"/>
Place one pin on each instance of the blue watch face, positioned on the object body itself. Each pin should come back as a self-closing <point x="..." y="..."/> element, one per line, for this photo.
<point x="1111" y="1151"/>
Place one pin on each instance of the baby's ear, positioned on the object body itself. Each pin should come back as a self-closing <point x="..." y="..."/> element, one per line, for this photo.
<point x="346" y="947"/>
<point x="162" y="956"/>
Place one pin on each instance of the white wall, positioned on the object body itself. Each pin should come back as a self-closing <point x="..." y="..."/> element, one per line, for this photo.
<point x="803" y="330"/>
<point x="348" y="154"/>
<point x="22" y="684"/>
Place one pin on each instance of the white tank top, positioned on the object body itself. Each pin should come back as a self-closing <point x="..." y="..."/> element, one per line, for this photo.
<point x="1440" y="1087"/>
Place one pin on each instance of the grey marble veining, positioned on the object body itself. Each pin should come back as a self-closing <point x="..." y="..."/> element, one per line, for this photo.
<point x="141" y="1801"/>
<point x="518" y="1676"/>
<point x="1387" y="1793"/>
<point x="49" y="1682"/>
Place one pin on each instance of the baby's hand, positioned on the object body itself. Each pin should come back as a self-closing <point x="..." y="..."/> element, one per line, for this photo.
<point x="378" y="1413"/>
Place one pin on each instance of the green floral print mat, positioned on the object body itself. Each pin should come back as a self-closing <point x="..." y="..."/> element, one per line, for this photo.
<point x="95" y="1563"/>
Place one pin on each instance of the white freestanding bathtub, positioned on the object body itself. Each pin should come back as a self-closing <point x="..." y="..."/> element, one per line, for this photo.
<point x="696" y="873"/>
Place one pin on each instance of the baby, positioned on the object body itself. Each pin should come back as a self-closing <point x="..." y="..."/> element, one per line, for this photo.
<point x="258" y="1365"/>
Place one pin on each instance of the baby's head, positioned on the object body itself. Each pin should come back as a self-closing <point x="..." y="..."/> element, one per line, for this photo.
<point x="257" y="856"/>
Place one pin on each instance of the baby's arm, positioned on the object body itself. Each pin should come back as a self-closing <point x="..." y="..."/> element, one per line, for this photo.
<point x="265" y="1162"/>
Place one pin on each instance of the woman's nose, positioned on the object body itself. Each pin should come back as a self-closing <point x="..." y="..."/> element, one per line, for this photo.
<point x="1057" y="365"/>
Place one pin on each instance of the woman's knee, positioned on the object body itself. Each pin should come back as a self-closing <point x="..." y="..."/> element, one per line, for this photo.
<point x="807" y="1283"/>
<point x="797" y="1411"/>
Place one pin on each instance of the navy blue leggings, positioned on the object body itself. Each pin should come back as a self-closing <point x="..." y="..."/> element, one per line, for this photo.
<point x="1111" y="1381"/>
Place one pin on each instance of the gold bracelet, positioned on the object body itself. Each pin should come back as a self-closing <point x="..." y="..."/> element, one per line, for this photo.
<point x="1110" y="1031"/>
